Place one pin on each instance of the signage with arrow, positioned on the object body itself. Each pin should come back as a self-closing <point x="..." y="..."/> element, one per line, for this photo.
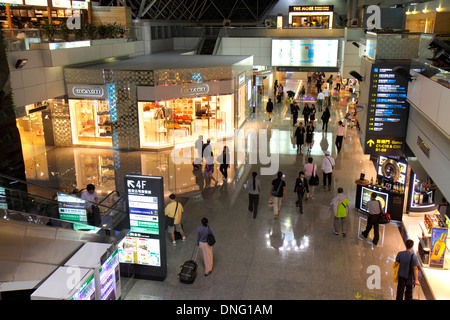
<point x="145" y="246"/>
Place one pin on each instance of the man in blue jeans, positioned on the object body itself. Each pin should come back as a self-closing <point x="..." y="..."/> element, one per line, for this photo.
<point x="408" y="272"/>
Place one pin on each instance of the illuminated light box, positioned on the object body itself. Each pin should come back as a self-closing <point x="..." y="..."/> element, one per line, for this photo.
<point x="295" y="53"/>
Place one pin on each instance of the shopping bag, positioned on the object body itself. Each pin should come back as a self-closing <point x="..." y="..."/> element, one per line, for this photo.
<point x="395" y="266"/>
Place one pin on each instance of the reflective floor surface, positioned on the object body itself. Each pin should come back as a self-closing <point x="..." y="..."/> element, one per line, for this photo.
<point x="296" y="256"/>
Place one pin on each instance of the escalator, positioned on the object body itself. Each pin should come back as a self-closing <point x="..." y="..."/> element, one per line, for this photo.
<point x="35" y="239"/>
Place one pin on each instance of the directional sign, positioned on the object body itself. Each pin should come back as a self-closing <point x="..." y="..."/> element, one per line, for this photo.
<point x="386" y="146"/>
<point x="144" y="246"/>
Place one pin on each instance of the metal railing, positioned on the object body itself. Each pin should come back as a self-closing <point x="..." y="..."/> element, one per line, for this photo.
<point x="23" y="196"/>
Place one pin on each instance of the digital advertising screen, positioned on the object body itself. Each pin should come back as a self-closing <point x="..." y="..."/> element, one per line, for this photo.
<point x="306" y="53"/>
<point x="144" y="246"/>
<point x="381" y="196"/>
<point x="72" y="208"/>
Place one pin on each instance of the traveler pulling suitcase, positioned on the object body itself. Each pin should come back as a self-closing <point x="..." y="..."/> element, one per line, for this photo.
<point x="189" y="269"/>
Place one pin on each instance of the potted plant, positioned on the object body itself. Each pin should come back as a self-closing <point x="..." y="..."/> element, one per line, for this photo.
<point x="79" y="33"/>
<point x="49" y="30"/>
<point x="90" y="30"/>
<point x="65" y="31"/>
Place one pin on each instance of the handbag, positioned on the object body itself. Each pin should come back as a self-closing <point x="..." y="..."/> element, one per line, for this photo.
<point x="210" y="239"/>
<point x="383" y="217"/>
<point x="275" y="193"/>
<point x="314" y="180"/>
<point x="171" y="220"/>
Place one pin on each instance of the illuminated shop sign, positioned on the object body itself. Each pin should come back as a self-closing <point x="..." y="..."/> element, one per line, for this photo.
<point x="87" y="91"/>
<point x="194" y="90"/>
<point x="310" y="8"/>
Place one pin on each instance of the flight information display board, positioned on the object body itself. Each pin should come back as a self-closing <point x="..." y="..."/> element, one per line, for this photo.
<point x="144" y="247"/>
<point x="387" y="116"/>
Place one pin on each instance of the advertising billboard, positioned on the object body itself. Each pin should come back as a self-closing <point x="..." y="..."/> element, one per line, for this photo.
<point x="304" y="53"/>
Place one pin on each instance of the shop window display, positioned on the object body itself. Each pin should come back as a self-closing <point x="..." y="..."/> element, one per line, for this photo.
<point x="91" y="122"/>
<point x="171" y="122"/>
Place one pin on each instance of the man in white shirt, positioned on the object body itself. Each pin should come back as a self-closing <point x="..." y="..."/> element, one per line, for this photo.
<point x="320" y="97"/>
<point x="91" y="197"/>
<point x="340" y="134"/>
<point x="327" y="169"/>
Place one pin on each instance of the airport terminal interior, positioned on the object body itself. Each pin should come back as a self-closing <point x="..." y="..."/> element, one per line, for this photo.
<point x="140" y="100"/>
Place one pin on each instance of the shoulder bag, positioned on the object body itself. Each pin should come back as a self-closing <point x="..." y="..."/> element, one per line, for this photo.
<point x="275" y="193"/>
<point x="210" y="239"/>
<point x="314" y="180"/>
<point x="170" y="220"/>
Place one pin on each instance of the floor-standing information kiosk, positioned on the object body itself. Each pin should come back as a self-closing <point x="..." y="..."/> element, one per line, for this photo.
<point x="142" y="253"/>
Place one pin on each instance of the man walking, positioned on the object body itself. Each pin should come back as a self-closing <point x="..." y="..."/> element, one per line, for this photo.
<point x="408" y="272"/>
<point x="301" y="186"/>
<point x="374" y="208"/>
<point x="327" y="169"/>
<point x="320" y="97"/>
<point x="340" y="134"/>
<point x="174" y="210"/>
<point x="340" y="208"/>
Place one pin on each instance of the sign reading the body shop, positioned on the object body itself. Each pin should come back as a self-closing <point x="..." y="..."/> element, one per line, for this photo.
<point x="87" y="91"/>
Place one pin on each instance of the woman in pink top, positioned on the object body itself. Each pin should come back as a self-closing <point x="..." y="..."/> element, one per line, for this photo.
<point x="309" y="168"/>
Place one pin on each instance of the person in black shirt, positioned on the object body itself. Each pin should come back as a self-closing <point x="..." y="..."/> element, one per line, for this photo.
<point x="301" y="186"/>
<point x="277" y="190"/>
<point x="269" y="108"/>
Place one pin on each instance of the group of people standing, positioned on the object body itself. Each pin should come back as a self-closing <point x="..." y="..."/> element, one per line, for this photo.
<point x="204" y="150"/>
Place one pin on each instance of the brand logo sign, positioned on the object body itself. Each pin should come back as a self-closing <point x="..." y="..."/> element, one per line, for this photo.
<point x="77" y="91"/>
<point x="194" y="90"/>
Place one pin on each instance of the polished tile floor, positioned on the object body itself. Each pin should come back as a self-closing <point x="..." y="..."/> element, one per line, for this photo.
<point x="291" y="258"/>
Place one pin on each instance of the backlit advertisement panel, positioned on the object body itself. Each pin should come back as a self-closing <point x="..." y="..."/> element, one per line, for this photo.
<point x="312" y="53"/>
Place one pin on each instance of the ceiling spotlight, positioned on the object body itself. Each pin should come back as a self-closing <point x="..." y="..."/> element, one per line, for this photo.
<point x="356" y="75"/>
<point x="20" y="63"/>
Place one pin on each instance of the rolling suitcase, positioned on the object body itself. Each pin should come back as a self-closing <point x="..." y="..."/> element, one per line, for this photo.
<point x="189" y="269"/>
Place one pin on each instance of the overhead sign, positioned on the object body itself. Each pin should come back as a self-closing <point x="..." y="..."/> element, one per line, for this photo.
<point x="87" y="91"/>
<point x="387" y="115"/>
<point x="194" y="90"/>
<point x="385" y="146"/>
<point x="144" y="246"/>
<point x="310" y="8"/>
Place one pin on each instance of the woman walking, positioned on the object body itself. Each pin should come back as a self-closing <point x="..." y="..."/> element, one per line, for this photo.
<point x="305" y="113"/>
<point x="205" y="249"/>
<point x="312" y="113"/>
<point x="254" y="188"/>
<point x="309" y="135"/>
<point x="224" y="160"/>
<point x="299" y="137"/>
